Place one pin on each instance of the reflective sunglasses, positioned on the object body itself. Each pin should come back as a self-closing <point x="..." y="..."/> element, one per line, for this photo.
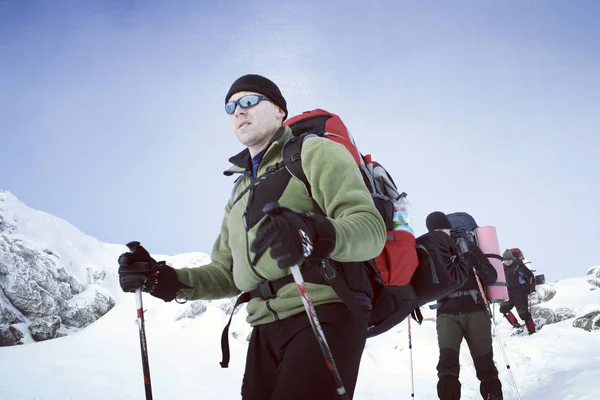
<point x="247" y="101"/>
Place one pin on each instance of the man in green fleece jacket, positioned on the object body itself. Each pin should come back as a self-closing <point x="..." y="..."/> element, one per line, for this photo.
<point x="253" y="250"/>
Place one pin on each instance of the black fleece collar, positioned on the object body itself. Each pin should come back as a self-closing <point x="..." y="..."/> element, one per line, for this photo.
<point x="243" y="159"/>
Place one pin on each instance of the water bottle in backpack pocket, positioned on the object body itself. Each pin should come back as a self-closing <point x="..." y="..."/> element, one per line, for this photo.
<point x="402" y="217"/>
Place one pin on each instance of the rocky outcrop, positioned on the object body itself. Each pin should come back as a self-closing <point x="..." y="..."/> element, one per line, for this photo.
<point x="194" y="309"/>
<point x="563" y="313"/>
<point x="36" y="284"/>
<point x="9" y="335"/>
<point x="589" y="322"/>
<point x="593" y="276"/>
<point x="542" y="294"/>
<point x="81" y="314"/>
<point x="542" y="315"/>
<point x="45" y="279"/>
<point x="44" y="328"/>
<point x="545" y="316"/>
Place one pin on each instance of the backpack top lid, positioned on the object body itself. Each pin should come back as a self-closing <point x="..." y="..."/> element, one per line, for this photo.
<point x="323" y="123"/>
<point x="517" y="253"/>
<point x="462" y="220"/>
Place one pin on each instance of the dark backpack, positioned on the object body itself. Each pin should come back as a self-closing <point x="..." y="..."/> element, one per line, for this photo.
<point x="463" y="228"/>
<point x="408" y="273"/>
<point x="462" y="220"/>
<point x="441" y="270"/>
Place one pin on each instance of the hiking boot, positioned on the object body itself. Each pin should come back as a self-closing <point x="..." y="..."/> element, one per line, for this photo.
<point x="448" y="388"/>
<point x="491" y="390"/>
<point x="530" y="326"/>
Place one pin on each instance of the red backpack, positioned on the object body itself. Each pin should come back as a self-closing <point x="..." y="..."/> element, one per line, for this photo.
<point x="398" y="261"/>
<point x="392" y="270"/>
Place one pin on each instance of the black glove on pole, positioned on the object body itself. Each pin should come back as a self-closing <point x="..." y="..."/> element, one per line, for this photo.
<point x="138" y="270"/>
<point x="293" y="237"/>
<point x="137" y="250"/>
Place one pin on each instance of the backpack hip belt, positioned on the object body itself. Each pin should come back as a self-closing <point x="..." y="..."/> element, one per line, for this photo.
<point x="266" y="290"/>
<point x="473" y="293"/>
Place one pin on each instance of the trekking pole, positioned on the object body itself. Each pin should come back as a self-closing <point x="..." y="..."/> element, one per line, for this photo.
<point x="412" y="378"/>
<point x="319" y="334"/>
<point x="494" y="317"/>
<point x="140" y="321"/>
<point x="487" y="303"/>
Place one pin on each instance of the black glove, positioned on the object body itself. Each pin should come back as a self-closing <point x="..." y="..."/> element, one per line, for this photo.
<point x="139" y="270"/>
<point x="292" y="236"/>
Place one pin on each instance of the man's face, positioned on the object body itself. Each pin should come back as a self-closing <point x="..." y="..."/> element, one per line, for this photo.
<point x="508" y="262"/>
<point x="254" y="126"/>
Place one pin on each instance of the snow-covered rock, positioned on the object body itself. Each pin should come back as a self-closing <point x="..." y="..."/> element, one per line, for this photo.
<point x="51" y="274"/>
<point x="545" y="316"/>
<point x="593" y="276"/>
<point x="542" y="294"/>
<point x="542" y="315"/>
<point x="44" y="328"/>
<point x="193" y="310"/>
<point x="589" y="322"/>
<point x="10" y="335"/>
<point x="563" y="313"/>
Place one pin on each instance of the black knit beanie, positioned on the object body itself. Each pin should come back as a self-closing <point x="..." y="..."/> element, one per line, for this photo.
<point x="437" y="220"/>
<point x="261" y="85"/>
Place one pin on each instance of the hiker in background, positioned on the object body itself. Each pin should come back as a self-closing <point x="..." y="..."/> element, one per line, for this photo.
<point x="520" y="281"/>
<point x="284" y="360"/>
<point x="463" y="314"/>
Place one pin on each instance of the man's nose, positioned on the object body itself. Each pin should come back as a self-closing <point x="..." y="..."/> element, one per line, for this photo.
<point x="239" y="110"/>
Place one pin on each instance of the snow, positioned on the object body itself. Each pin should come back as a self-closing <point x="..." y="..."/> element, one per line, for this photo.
<point x="103" y="361"/>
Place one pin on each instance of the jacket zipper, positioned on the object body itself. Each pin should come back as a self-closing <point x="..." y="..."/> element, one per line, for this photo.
<point x="268" y="305"/>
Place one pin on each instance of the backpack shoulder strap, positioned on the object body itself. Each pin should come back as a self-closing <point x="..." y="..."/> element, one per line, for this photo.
<point x="292" y="159"/>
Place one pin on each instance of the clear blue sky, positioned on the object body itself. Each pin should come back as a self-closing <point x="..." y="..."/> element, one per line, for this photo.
<point x="111" y="113"/>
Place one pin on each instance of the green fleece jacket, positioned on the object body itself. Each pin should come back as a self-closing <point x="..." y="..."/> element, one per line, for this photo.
<point x="338" y="189"/>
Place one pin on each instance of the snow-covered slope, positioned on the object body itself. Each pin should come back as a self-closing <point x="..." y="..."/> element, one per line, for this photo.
<point x="67" y="269"/>
<point x="102" y="361"/>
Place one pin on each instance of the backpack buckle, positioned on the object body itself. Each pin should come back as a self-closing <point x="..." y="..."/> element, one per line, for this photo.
<point x="328" y="272"/>
<point x="266" y="290"/>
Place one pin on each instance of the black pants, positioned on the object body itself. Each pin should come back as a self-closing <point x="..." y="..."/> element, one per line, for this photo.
<point x="285" y="362"/>
<point x="518" y="298"/>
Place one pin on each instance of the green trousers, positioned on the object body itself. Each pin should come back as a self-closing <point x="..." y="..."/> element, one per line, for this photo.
<point x="475" y="328"/>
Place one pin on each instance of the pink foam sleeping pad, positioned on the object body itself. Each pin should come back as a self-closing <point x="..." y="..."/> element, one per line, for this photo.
<point x="488" y="243"/>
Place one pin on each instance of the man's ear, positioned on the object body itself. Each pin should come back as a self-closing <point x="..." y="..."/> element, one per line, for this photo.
<point x="280" y="112"/>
